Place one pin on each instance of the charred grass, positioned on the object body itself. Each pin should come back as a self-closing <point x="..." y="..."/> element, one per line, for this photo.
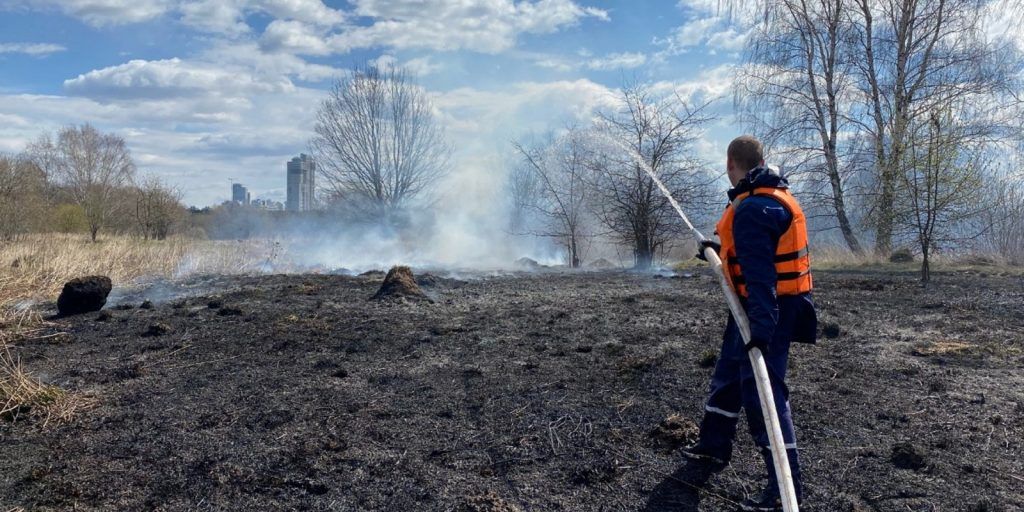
<point x="532" y="391"/>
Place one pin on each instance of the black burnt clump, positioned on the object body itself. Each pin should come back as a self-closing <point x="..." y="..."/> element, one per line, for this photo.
<point x="831" y="330"/>
<point x="907" y="456"/>
<point x="229" y="311"/>
<point x="400" y="282"/>
<point x="83" y="295"/>
<point x="708" y="359"/>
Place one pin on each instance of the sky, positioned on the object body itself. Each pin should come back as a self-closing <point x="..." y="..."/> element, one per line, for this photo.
<point x="210" y="92"/>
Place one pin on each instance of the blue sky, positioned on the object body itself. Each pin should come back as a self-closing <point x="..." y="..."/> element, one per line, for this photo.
<point x="209" y="91"/>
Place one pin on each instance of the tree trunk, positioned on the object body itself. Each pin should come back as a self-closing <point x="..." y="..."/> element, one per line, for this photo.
<point x="93" y="231"/>
<point x="884" y="213"/>
<point x="839" y="203"/>
<point x="574" y="257"/>
<point x="643" y="254"/>
<point x="925" y="268"/>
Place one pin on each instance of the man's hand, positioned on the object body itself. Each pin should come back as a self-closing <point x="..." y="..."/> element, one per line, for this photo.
<point x="759" y="343"/>
<point x="704" y="244"/>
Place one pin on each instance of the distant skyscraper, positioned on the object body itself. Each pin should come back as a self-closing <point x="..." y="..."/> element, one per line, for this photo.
<point x="240" y="194"/>
<point x="301" y="184"/>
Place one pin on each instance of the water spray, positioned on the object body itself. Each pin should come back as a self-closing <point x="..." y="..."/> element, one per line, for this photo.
<point x="764" y="389"/>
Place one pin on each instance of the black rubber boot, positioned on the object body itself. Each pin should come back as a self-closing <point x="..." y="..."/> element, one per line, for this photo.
<point x="715" y="458"/>
<point x="769" y="499"/>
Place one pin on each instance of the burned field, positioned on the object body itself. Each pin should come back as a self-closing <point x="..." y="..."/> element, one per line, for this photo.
<point x="530" y="391"/>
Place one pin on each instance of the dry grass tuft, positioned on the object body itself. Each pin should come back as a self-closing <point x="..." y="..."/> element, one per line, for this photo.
<point x="23" y="397"/>
<point x="941" y="348"/>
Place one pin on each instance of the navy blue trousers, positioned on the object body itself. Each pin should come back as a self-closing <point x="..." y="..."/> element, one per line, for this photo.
<point x="733" y="389"/>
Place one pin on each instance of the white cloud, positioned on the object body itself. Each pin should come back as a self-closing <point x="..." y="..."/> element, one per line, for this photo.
<point x="613" y="61"/>
<point x="249" y="57"/>
<point x="217" y="16"/>
<point x="171" y="78"/>
<point x="710" y="24"/>
<point x="488" y="26"/>
<point x="496" y="116"/>
<point x="101" y="13"/>
<point x="35" y="49"/>
<point x="294" y="37"/>
<point x="227" y="16"/>
<point x="609" y="62"/>
<point x="420" y="66"/>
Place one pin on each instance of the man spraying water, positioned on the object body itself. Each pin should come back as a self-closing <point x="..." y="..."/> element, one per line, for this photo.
<point x="764" y="256"/>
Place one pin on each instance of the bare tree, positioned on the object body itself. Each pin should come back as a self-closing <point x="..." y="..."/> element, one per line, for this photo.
<point x="22" y="185"/>
<point x="943" y="179"/>
<point x="92" y="167"/>
<point x="378" y="144"/>
<point x="657" y="130"/>
<point x="158" y="208"/>
<point x="915" y="58"/>
<point x="551" y="185"/>
<point x="795" y="91"/>
<point x="1002" y="220"/>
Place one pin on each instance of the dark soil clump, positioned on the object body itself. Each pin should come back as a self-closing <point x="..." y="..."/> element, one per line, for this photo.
<point x="708" y="359"/>
<point x="907" y="456"/>
<point x="157" y="329"/>
<point x="83" y="295"/>
<point x="146" y="304"/>
<point x="229" y="311"/>
<point x="675" y="432"/>
<point x="399" y="282"/>
<point x="830" y="330"/>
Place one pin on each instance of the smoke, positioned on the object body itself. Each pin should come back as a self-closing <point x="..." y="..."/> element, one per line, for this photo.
<point x="464" y="226"/>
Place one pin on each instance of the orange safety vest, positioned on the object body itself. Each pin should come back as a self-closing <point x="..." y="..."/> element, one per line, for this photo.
<point x="792" y="261"/>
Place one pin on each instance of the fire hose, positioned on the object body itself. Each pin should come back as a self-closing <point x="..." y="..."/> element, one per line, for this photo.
<point x="764" y="388"/>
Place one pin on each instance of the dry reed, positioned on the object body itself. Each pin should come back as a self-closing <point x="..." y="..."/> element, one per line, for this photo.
<point x="24" y="397"/>
<point x="35" y="268"/>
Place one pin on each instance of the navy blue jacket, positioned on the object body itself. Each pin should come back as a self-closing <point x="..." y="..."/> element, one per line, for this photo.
<point x="758" y="224"/>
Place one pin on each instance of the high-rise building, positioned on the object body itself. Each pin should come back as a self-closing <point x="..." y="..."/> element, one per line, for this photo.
<point x="301" y="184"/>
<point x="240" y="194"/>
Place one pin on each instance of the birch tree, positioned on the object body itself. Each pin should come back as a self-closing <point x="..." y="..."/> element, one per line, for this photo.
<point x="795" y="89"/>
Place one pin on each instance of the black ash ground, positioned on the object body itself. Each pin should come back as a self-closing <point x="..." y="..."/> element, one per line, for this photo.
<point x="530" y="391"/>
